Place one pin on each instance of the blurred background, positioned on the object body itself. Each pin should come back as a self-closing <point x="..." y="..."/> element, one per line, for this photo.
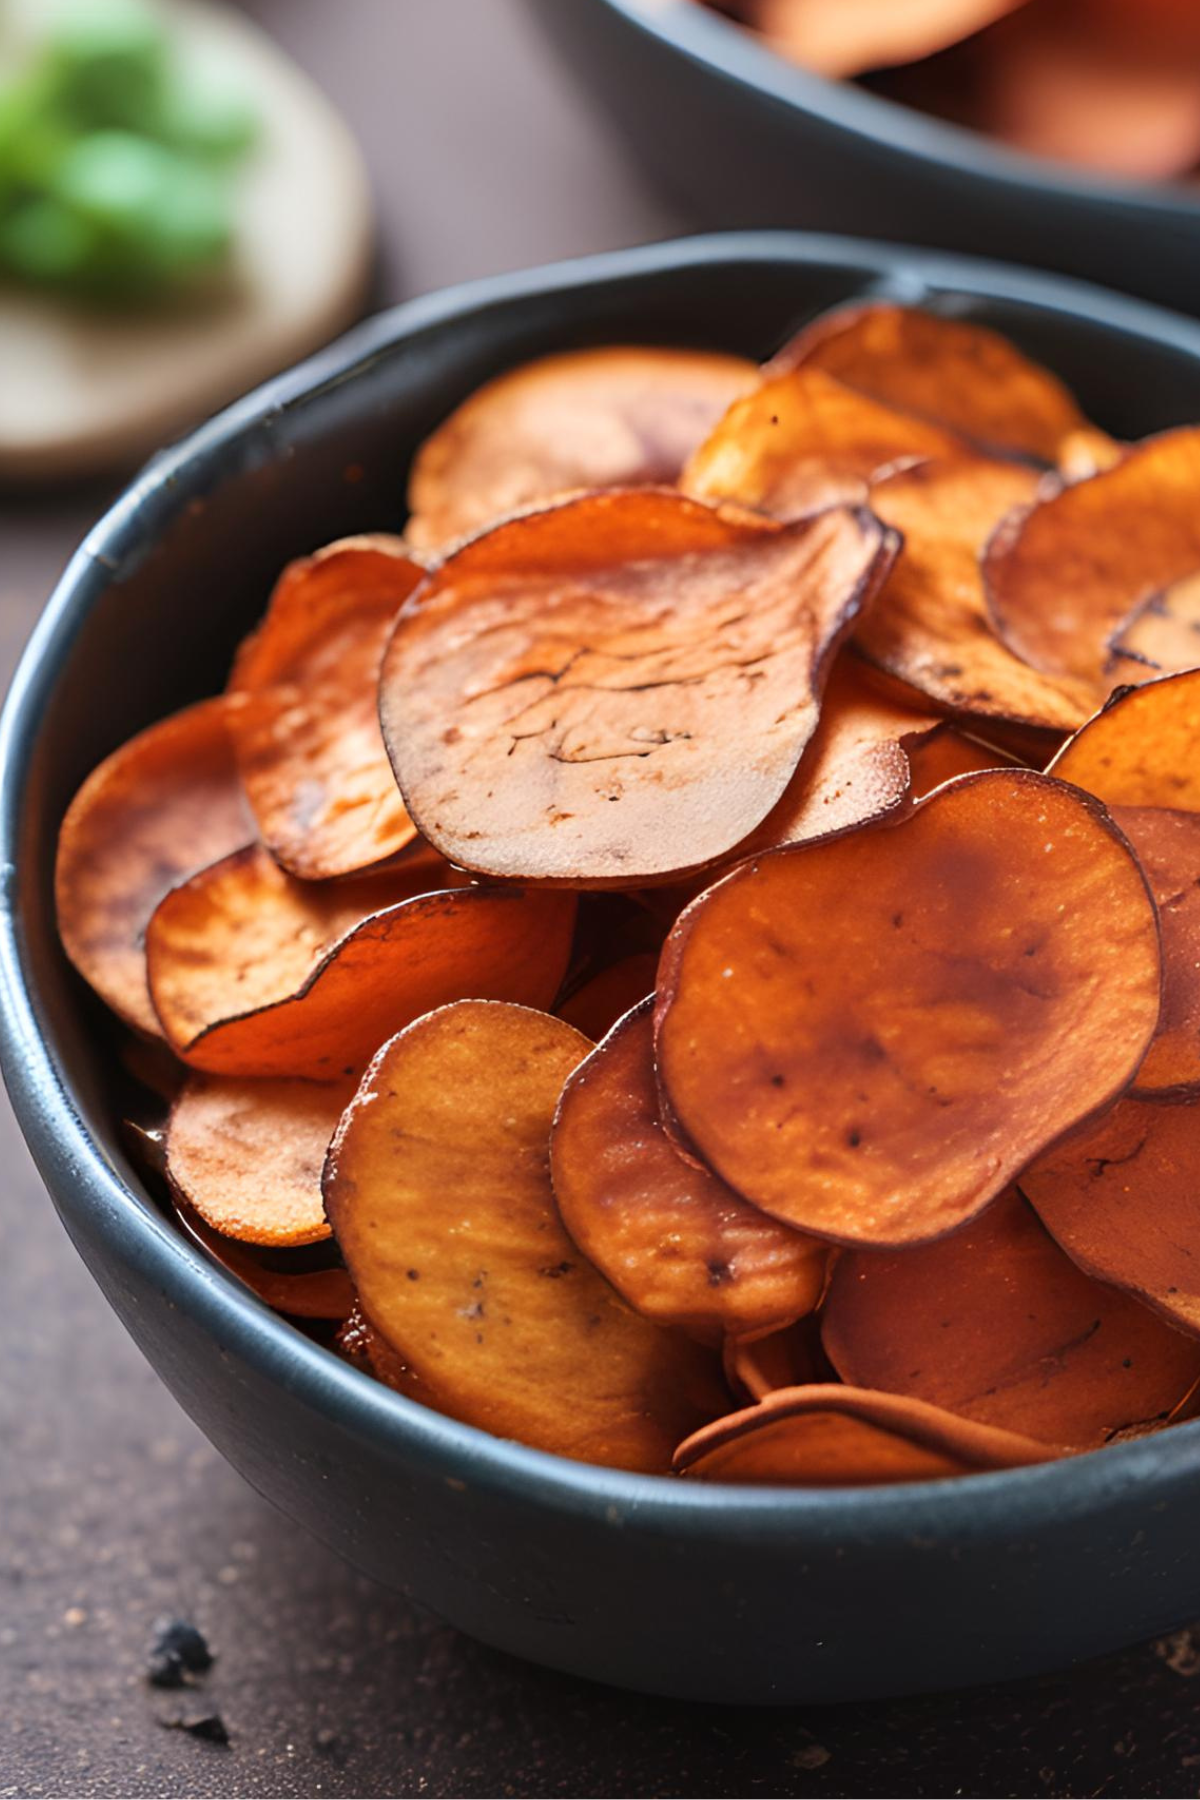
<point x="193" y="197"/>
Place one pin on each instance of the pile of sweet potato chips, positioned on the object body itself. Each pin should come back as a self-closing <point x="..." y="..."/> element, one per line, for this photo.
<point x="1112" y="85"/>
<point x="690" y="957"/>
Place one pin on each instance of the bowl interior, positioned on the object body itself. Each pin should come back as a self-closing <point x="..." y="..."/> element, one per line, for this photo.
<point x="149" y="614"/>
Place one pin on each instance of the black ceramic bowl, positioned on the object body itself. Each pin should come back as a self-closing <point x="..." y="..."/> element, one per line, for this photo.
<point x="711" y="1592"/>
<point x="740" y="136"/>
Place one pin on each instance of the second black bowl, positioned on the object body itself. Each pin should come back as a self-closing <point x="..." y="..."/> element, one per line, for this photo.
<point x="740" y="136"/>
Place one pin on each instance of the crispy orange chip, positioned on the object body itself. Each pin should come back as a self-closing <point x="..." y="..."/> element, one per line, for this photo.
<point x="1168" y="848"/>
<point x="1140" y="750"/>
<point x="1138" y="755"/>
<point x="870" y="1036"/>
<point x="676" y="1242"/>
<point x="1123" y="1200"/>
<point x="618" y="688"/>
<point x="949" y="372"/>
<point x="1065" y="578"/>
<point x="438" y="1189"/>
<point x="831" y="1436"/>
<point x="946" y="753"/>
<point x="165" y="803"/>
<point x="929" y="625"/>
<point x="255" y="973"/>
<point x="996" y="1324"/>
<point x="305" y="721"/>
<point x="613" y="417"/>
<point x="300" y="1293"/>
<point x="803" y="441"/>
<point x="595" y="1007"/>
<point x="247" y="1155"/>
<point x="791" y="1357"/>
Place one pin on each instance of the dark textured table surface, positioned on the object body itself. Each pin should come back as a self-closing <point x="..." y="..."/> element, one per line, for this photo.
<point x="113" y="1509"/>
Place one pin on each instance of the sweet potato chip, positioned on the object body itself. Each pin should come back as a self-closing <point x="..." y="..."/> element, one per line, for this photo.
<point x="791" y="1357"/>
<point x="670" y="1237"/>
<point x="595" y="1007"/>
<point x="438" y="1189"/>
<point x="1164" y="634"/>
<point x="1140" y="750"/>
<point x="620" y="687"/>
<point x="165" y="803"/>
<point x="839" y="38"/>
<point x="305" y="721"/>
<point x="255" y="973"/>
<point x="949" y="372"/>
<point x="301" y="1293"/>
<point x="946" y="753"/>
<point x="929" y="625"/>
<point x="1109" y="102"/>
<point x="614" y="417"/>
<point x="1065" y="578"/>
<point x="1123" y="1200"/>
<point x="995" y="1323"/>
<point x="847" y="1437"/>
<point x="1168" y="848"/>
<point x="869" y="1036"/>
<point x="247" y="1155"/>
<point x="856" y="767"/>
<point x="803" y="441"/>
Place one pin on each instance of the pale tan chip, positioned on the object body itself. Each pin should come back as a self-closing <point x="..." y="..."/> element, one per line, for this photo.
<point x="438" y="1189"/>
<point x="305" y="710"/>
<point x="165" y="803"/>
<point x="858" y="767"/>
<point x="869" y="1036"/>
<point x="996" y="1324"/>
<point x="618" y="689"/>
<point x="1164" y="635"/>
<point x="1086" y="452"/>
<point x="929" y="626"/>
<point x="673" y="1239"/>
<point x="858" y="764"/>
<point x="255" y="973"/>
<point x="247" y="1155"/>
<point x="952" y="373"/>
<point x="804" y="441"/>
<point x="832" y="1436"/>
<point x="1123" y="1200"/>
<point x="1067" y="577"/>
<point x="618" y="416"/>
<point x="1141" y="749"/>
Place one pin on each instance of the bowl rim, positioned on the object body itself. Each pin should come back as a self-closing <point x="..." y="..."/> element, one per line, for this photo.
<point x="83" y="1180"/>
<point x="735" y="54"/>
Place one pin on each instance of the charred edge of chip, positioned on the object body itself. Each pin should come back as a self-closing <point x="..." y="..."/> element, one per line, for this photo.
<point x="439" y="900"/>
